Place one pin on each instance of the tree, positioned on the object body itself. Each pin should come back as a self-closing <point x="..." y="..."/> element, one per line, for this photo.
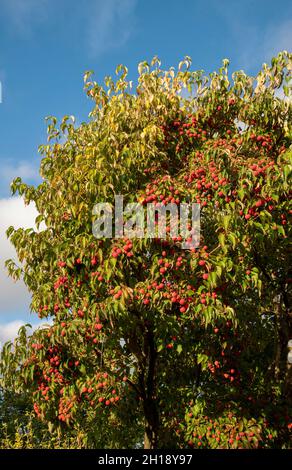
<point x="187" y="346"/>
<point x="21" y="429"/>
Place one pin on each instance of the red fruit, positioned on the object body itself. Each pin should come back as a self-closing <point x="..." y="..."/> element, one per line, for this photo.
<point x="107" y="402"/>
<point x="216" y="330"/>
<point x="202" y="262"/>
<point x="98" y="326"/>
<point x="205" y="276"/>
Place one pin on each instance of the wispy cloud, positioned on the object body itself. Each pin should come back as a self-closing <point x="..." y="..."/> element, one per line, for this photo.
<point x="261" y="45"/>
<point x="111" y="24"/>
<point x="278" y="38"/>
<point x="23" y="14"/>
<point x="28" y="171"/>
<point x="23" y="169"/>
<point x="107" y="24"/>
<point x="254" y="41"/>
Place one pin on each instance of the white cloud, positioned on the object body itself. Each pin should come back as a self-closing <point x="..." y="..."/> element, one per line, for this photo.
<point x="111" y="25"/>
<point x="279" y="93"/>
<point x="9" y="170"/>
<point x="8" y="331"/>
<point x="14" y="296"/>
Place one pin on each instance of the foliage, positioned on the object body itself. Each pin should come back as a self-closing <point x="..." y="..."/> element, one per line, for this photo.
<point x="143" y="330"/>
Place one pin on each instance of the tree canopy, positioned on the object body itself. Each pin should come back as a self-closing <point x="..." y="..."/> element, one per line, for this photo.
<point x="148" y="341"/>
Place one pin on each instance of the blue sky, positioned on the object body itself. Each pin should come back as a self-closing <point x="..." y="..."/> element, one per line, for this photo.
<point x="46" y="45"/>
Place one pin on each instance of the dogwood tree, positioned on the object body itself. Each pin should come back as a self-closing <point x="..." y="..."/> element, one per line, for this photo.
<point x="187" y="347"/>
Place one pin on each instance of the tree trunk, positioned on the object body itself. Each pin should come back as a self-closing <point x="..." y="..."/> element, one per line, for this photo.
<point x="151" y="424"/>
<point x="146" y="354"/>
<point x="284" y="332"/>
<point x="151" y="413"/>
